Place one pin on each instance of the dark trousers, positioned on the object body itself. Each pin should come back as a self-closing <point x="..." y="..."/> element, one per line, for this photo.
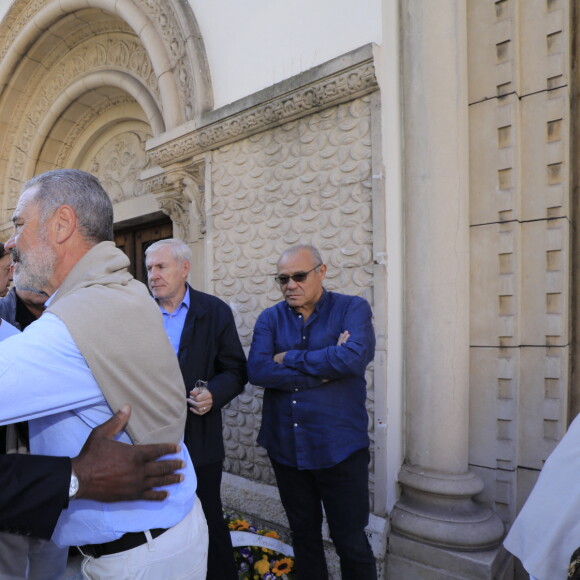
<point x="220" y="561"/>
<point x="343" y="490"/>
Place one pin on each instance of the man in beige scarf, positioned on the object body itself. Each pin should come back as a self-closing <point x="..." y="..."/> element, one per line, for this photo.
<point x="100" y="344"/>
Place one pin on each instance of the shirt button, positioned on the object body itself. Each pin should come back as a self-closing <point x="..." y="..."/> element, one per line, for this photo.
<point x="296" y="389"/>
<point x="303" y="338"/>
<point x="295" y="424"/>
<point x="293" y="402"/>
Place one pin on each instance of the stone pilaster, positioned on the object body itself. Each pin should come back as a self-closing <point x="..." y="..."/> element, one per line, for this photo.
<point x="437" y="506"/>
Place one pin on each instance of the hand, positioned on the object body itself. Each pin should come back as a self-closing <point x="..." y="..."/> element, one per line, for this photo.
<point x="200" y="400"/>
<point x="109" y="470"/>
<point x="279" y="358"/>
<point x="344" y="336"/>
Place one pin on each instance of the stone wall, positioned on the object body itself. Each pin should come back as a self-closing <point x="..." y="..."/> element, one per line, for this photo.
<point x="308" y="181"/>
<point x="520" y="215"/>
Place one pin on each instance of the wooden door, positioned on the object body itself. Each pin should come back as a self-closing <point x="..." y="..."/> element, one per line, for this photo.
<point x="136" y="239"/>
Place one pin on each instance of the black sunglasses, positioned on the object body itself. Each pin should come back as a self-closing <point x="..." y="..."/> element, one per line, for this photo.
<point x="298" y="277"/>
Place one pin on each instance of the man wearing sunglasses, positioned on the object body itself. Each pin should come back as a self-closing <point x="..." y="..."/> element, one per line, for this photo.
<point x="310" y="353"/>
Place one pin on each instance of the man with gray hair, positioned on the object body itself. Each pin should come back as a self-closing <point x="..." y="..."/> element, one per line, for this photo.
<point x="310" y="353"/>
<point x="203" y="333"/>
<point x="99" y="344"/>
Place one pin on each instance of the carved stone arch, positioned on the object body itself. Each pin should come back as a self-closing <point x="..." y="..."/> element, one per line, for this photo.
<point x="83" y="77"/>
<point x="167" y="29"/>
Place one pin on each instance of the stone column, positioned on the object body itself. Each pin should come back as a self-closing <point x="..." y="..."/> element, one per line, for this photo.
<point x="436" y="506"/>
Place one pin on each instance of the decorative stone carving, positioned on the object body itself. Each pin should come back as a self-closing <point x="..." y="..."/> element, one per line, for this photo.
<point x="174" y="23"/>
<point x="175" y="205"/>
<point x="329" y="91"/>
<point x="180" y="194"/>
<point x="62" y="156"/>
<point x="110" y="54"/>
<point x="118" y="165"/>
<point x="53" y="79"/>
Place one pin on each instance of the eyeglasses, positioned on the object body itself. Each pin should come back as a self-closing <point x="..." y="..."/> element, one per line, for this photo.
<point x="298" y="277"/>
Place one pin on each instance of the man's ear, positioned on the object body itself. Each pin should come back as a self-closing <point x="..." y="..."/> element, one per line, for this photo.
<point x="64" y="223"/>
<point x="186" y="267"/>
<point x="322" y="271"/>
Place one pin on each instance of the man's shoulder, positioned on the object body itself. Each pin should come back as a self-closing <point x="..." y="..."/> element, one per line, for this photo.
<point x="207" y="300"/>
<point x="338" y="298"/>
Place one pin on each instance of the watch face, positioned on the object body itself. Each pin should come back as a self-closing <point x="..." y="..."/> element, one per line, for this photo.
<point x="74" y="486"/>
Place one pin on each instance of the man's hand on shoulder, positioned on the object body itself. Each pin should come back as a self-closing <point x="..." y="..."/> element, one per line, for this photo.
<point x="279" y="358"/>
<point x="110" y="471"/>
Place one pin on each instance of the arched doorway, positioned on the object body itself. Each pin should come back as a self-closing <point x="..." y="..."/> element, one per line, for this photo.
<point x="87" y="85"/>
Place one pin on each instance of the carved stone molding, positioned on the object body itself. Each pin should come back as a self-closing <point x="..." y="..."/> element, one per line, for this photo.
<point x="307" y="100"/>
<point x="173" y="22"/>
<point x="119" y="163"/>
<point x="180" y="194"/>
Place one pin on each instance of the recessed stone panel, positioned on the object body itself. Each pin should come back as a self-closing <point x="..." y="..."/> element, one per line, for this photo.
<point x="542" y="403"/>
<point x="495" y="285"/>
<point x="490" y="47"/>
<point x="494" y="174"/>
<point x="494" y="386"/>
<point x="545" y="164"/>
<point x="545" y="279"/>
<point x="543" y="32"/>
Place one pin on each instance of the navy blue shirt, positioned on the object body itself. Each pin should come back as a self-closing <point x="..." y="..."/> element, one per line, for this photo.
<point x="308" y="423"/>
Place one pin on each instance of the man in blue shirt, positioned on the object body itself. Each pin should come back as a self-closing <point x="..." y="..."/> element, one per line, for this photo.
<point x="310" y="353"/>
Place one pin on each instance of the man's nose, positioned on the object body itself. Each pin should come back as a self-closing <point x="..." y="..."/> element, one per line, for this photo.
<point x="10" y="244"/>
<point x="291" y="284"/>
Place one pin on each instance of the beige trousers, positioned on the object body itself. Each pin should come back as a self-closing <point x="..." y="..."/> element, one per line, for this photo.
<point x="178" y="554"/>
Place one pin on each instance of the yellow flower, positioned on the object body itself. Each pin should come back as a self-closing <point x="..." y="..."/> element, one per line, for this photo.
<point x="272" y="534"/>
<point x="239" y="525"/>
<point x="262" y="566"/>
<point x="282" y="566"/>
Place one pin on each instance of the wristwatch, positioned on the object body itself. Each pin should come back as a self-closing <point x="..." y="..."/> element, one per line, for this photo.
<point x="73" y="487"/>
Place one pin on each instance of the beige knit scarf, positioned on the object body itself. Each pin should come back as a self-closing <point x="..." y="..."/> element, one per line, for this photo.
<point x="119" y="330"/>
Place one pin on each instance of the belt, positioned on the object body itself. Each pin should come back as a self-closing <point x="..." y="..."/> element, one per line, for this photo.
<point x="126" y="542"/>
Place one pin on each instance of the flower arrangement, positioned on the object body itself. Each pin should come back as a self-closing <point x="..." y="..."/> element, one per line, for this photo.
<point x="260" y="554"/>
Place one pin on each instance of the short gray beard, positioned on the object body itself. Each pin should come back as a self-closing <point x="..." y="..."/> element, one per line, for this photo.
<point x="36" y="269"/>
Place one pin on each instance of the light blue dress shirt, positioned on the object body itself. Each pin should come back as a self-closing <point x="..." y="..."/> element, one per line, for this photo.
<point x="174" y="321"/>
<point x="45" y="379"/>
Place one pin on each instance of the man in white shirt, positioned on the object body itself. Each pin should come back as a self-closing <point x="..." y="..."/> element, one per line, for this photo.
<point x="100" y="343"/>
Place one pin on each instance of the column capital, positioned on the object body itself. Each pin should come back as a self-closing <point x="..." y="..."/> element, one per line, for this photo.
<point x="179" y="190"/>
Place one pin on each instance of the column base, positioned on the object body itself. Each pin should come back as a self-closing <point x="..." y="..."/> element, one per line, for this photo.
<point x="409" y="558"/>
<point x="438" y="509"/>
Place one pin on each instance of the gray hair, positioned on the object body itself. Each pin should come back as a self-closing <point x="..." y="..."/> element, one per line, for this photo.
<point x="314" y="252"/>
<point x="83" y="192"/>
<point x="179" y="249"/>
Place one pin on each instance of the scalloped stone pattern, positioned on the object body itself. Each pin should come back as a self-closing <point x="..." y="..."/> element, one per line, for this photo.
<point x="307" y="181"/>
